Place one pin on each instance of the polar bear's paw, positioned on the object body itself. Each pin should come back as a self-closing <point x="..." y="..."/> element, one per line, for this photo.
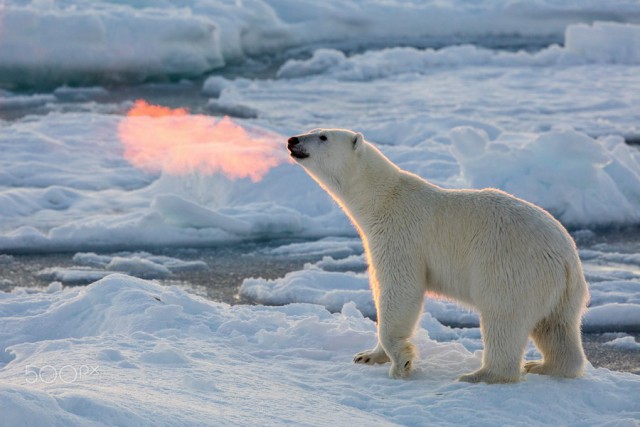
<point x="484" y="376"/>
<point x="402" y="362"/>
<point x="371" y="357"/>
<point x="400" y="370"/>
<point x="536" y="367"/>
<point x="541" y="368"/>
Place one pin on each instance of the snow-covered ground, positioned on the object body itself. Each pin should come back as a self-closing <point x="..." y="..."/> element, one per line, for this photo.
<point x="440" y="87"/>
<point x="128" y="352"/>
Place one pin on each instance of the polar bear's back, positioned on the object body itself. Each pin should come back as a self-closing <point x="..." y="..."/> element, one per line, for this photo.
<point x="496" y="215"/>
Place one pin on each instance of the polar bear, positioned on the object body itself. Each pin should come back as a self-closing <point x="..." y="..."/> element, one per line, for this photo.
<point x="507" y="258"/>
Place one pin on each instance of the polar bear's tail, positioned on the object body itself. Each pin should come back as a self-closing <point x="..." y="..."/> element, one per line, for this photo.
<point x="558" y="335"/>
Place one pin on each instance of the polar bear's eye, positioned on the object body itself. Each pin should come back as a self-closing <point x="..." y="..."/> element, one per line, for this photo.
<point x="323" y="138"/>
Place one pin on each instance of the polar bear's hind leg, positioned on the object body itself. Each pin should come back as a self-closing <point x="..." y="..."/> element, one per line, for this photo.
<point x="558" y="336"/>
<point x="502" y="356"/>
<point x="560" y="343"/>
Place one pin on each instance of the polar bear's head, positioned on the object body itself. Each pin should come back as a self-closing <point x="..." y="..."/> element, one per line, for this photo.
<point x="327" y="154"/>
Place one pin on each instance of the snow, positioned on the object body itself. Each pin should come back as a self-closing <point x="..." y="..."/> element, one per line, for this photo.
<point x="624" y="343"/>
<point x="330" y="289"/>
<point x="602" y="43"/>
<point x="91" y="267"/>
<point x="334" y="246"/>
<point x="105" y="260"/>
<point x="214" y="85"/>
<point x="110" y="175"/>
<point x="579" y="190"/>
<point x="218" y="107"/>
<point x="135" y="343"/>
<point x="80" y="94"/>
<point x="85" y="41"/>
<point x="612" y="317"/>
<point x="605" y="42"/>
<point x="54" y="198"/>
<point x="10" y="101"/>
<point x="50" y="44"/>
<point x="73" y="275"/>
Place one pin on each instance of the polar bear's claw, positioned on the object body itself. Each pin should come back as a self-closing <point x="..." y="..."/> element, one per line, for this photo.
<point x="371" y="357"/>
<point x="361" y="359"/>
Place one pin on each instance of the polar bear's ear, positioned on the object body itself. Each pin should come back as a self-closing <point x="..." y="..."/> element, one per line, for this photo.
<point x="357" y="140"/>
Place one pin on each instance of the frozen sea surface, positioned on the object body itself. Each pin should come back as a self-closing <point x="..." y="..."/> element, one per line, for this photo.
<point x="213" y="273"/>
<point x="87" y="41"/>
<point x="533" y="124"/>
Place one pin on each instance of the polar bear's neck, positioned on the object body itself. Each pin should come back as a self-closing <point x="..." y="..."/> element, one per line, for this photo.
<point x="367" y="189"/>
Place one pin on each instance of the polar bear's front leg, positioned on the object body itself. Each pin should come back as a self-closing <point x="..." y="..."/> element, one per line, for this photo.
<point x="376" y="355"/>
<point x="400" y="308"/>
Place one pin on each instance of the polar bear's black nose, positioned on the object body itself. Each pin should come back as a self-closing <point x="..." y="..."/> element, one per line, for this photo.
<point x="293" y="140"/>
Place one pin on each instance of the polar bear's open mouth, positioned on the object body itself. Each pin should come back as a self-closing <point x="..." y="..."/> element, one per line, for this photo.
<point x="298" y="153"/>
<point x="295" y="149"/>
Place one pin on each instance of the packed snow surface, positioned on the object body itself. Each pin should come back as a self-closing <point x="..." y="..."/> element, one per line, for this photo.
<point x="124" y="351"/>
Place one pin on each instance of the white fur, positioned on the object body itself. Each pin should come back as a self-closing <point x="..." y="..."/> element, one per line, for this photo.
<point x="508" y="258"/>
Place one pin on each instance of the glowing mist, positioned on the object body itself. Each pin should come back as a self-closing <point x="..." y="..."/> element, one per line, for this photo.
<point x="157" y="138"/>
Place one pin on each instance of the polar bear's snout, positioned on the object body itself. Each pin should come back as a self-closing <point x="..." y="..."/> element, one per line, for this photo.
<point x="297" y="152"/>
